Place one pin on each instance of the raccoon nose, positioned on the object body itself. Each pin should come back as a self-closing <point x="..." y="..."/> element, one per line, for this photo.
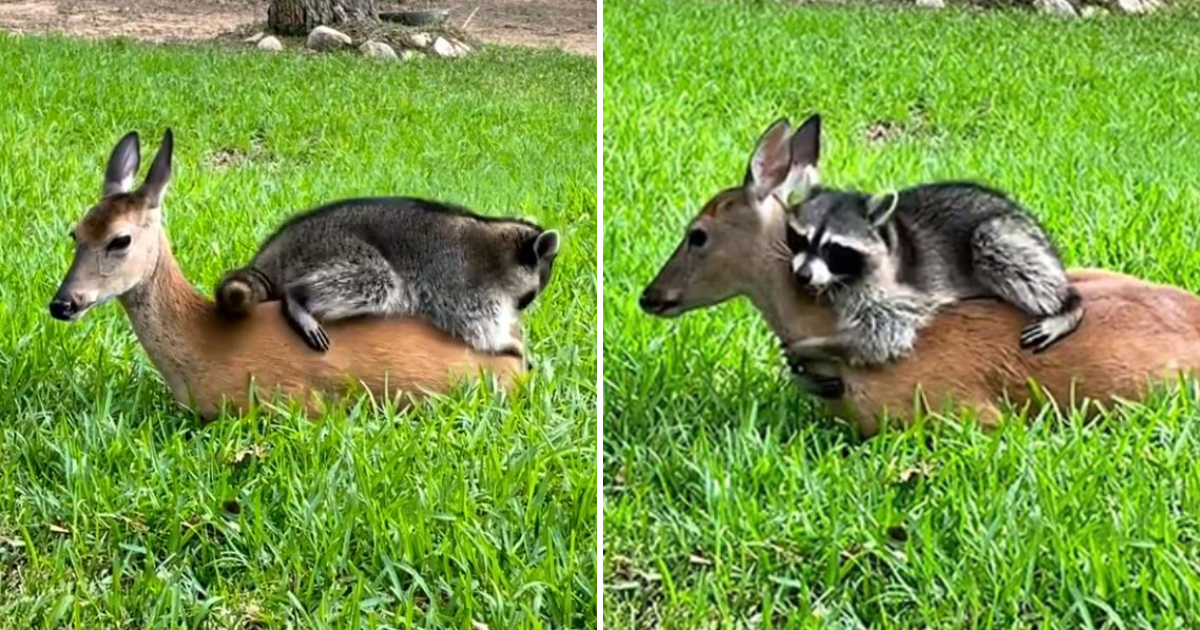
<point x="804" y="275"/>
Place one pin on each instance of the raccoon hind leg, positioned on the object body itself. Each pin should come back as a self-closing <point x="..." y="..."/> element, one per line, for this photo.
<point x="297" y="314"/>
<point x="349" y="291"/>
<point x="1015" y="260"/>
<point x="1045" y="332"/>
<point x="363" y="284"/>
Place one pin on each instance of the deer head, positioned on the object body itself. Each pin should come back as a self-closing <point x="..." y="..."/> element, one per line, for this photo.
<point x="118" y="241"/>
<point x="724" y="244"/>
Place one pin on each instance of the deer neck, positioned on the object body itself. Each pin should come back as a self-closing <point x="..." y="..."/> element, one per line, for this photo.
<point x="790" y="312"/>
<point x="166" y="313"/>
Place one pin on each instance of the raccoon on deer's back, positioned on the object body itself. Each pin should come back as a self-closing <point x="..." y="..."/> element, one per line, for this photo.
<point x="468" y="274"/>
<point x="887" y="262"/>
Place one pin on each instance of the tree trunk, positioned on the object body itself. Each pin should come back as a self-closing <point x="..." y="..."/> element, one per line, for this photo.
<point x="298" y="17"/>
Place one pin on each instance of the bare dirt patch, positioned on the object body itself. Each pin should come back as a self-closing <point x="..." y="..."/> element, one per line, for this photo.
<point x="566" y="24"/>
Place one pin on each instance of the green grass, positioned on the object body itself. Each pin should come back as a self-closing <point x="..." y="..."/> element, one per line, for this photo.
<point x="117" y="510"/>
<point x="728" y="501"/>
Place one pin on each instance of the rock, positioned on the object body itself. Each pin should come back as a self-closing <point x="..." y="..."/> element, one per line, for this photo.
<point x="931" y="4"/>
<point x="1138" y="6"/>
<point x="417" y="40"/>
<point x="254" y="39"/>
<point x="460" y="48"/>
<point x="1090" y="11"/>
<point x="377" y="50"/>
<point x="1061" y="8"/>
<point x="325" y="38"/>
<point x="270" y="44"/>
<point x="443" y="48"/>
<point x="408" y="55"/>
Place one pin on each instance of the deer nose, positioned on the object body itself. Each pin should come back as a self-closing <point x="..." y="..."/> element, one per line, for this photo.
<point x="63" y="308"/>
<point x="656" y="301"/>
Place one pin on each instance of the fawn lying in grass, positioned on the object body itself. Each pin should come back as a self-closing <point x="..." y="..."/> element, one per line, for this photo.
<point x="122" y="251"/>
<point x="1136" y="332"/>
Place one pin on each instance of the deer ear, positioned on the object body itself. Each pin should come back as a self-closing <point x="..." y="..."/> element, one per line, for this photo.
<point x="769" y="164"/>
<point x="806" y="151"/>
<point x="159" y="175"/>
<point x="122" y="165"/>
<point x="880" y="208"/>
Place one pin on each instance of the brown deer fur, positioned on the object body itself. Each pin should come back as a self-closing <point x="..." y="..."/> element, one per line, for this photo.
<point x="205" y="358"/>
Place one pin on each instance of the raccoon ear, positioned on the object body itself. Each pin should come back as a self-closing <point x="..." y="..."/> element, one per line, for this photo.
<point x="881" y="207"/>
<point x="546" y="245"/>
<point x="769" y="164"/>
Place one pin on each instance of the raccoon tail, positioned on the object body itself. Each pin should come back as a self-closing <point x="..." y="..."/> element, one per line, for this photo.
<point x="240" y="291"/>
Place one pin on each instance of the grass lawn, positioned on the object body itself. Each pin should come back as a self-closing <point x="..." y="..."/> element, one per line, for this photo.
<point x="728" y="501"/>
<point x="117" y="510"/>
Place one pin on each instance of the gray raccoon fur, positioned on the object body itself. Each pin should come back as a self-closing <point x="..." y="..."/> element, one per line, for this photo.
<point x="467" y="274"/>
<point x="887" y="263"/>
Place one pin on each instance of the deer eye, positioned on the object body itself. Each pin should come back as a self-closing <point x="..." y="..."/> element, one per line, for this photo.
<point x="119" y="244"/>
<point x="697" y="238"/>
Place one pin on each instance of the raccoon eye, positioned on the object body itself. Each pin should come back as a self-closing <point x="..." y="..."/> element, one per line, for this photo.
<point x="844" y="261"/>
<point x="796" y="241"/>
<point x="119" y="244"/>
<point x="697" y="238"/>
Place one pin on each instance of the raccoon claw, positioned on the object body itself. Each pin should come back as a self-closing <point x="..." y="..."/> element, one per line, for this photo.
<point x="317" y="339"/>
<point x="1036" y="337"/>
<point x="313" y="334"/>
<point x="794" y="364"/>
<point x="827" y="387"/>
<point x="795" y="361"/>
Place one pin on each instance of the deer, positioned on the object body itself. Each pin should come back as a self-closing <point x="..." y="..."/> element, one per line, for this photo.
<point x="1137" y="335"/>
<point x="213" y="364"/>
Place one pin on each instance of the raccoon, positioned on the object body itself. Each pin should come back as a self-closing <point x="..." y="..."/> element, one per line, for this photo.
<point x="886" y="263"/>
<point x="467" y="274"/>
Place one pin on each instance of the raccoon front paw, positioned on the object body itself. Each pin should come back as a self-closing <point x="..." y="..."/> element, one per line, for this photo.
<point x="800" y="353"/>
<point x="795" y="364"/>
<point x="826" y="387"/>
<point x="814" y="383"/>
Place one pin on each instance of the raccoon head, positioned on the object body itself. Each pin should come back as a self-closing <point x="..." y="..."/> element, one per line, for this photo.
<point x="838" y="239"/>
<point x="536" y="252"/>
